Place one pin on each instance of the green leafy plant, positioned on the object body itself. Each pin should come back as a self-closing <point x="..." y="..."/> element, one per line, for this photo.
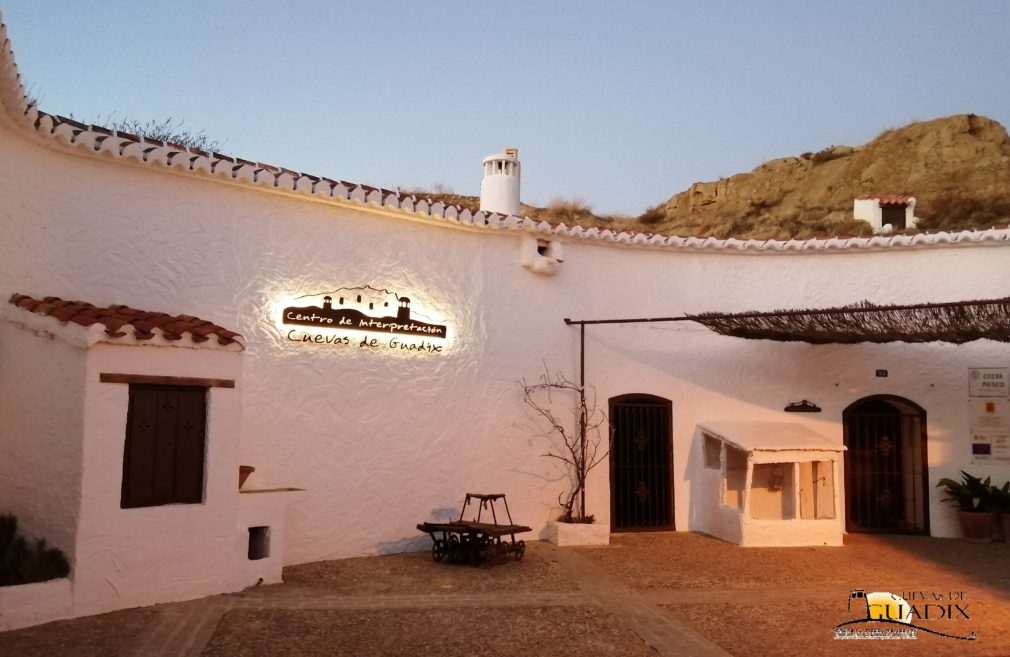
<point x="23" y="561"/>
<point x="970" y="494"/>
<point x="1001" y="498"/>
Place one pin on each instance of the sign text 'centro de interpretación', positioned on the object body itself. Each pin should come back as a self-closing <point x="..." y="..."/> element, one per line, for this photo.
<point x="383" y="316"/>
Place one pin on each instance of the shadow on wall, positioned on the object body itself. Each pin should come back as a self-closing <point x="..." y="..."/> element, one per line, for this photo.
<point x="694" y="472"/>
<point x="420" y="542"/>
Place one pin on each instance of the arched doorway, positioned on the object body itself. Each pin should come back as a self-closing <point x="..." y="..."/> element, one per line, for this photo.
<point x="886" y="487"/>
<point x="641" y="459"/>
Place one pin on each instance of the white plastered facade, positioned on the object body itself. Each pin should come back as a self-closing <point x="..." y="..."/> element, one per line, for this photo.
<point x="382" y="439"/>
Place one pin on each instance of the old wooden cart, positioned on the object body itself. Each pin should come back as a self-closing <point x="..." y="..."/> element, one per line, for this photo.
<point x="473" y="541"/>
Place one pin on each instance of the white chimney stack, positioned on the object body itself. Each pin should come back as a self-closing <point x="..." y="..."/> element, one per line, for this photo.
<point x="499" y="188"/>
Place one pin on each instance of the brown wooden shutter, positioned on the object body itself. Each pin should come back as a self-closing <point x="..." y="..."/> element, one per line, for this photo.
<point x="138" y="458"/>
<point x="163" y="460"/>
<point x="190" y="446"/>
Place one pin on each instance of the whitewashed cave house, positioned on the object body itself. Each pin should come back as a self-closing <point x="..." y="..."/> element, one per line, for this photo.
<point x="382" y="420"/>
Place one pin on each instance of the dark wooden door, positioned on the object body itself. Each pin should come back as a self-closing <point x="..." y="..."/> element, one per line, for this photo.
<point x="885" y="467"/>
<point x="894" y="215"/>
<point x="641" y="456"/>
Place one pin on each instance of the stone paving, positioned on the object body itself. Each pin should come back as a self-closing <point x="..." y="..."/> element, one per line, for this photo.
<point x="183" y="629"/>
<point x="655" y="615"/>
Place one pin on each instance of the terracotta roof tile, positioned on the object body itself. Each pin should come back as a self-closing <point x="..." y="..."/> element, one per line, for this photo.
<point x="887" y="199"/>
<point x="115" y="317"/>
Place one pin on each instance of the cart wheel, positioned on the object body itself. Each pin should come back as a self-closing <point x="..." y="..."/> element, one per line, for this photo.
<point x="518" y="550"/>
<point x="439" y="549"/>
<point x="483" y="548"/>
<point x="501" y="552"/>
<point x="453" y="549"/>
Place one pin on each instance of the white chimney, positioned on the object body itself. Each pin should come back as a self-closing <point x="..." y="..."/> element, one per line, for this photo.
<point x="499" y="188"/>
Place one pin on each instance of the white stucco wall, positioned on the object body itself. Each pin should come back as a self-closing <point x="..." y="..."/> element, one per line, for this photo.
<point x="867" y="209"/>
<point x="383" y="440"/>
<point x="41" y="406"/>
<point x="33" y="604"/>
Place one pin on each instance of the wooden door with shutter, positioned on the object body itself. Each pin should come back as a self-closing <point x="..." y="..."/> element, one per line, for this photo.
<point x="163" y="459"/>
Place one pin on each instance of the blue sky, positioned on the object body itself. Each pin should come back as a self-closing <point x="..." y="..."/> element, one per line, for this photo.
<point x="620" y="105"/>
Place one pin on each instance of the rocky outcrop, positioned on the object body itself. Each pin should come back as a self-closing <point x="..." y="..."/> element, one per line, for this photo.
<point x="964" y="157"/>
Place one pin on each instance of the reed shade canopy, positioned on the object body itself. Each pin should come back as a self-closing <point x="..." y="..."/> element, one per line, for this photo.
<point x="956" y="322"/>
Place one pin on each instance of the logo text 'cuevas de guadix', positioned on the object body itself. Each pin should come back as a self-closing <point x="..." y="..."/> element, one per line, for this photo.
<point x="884" y="615"/>
<point x="376" y="318"/>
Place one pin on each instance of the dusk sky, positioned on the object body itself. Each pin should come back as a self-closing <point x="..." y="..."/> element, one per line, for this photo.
<point x="618" y="104"/>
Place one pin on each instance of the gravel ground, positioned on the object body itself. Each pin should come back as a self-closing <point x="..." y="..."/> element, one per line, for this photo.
<point x="95" y="636"/>
<point x="793" y="625"/>
<point x="555" y="631"/>
<point x="685" y="560"/>
<point x="786" y="629"/>
<point x="418" y="573"/>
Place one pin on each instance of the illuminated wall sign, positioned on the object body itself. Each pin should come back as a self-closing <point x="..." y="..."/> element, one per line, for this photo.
<point x="384" y="317"/>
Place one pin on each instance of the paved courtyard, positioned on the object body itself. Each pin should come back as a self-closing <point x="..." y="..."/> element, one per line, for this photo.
<point x="647" y="594"/>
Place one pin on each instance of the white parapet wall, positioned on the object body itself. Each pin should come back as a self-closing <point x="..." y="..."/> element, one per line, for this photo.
<point x="31" y="604"/>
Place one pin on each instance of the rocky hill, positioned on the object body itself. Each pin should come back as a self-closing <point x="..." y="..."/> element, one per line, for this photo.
<point x="957" y="167"/>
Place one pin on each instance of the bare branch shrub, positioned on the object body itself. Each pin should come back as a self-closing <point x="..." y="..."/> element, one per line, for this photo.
<point x="578" y="445"/>
<point x="167" y="130"/>
<point x="653" y="215"/>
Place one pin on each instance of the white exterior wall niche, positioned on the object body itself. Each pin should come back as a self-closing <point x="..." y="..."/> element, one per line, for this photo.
<point x="540" y="255"/>
<point x="769" y="484"/>
<point x="266" y="509"/>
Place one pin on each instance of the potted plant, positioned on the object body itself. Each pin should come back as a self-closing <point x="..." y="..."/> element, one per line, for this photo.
<point x="973" y="497"/>
<point x="578" y="448"/>
<point x="1001" y="502"/>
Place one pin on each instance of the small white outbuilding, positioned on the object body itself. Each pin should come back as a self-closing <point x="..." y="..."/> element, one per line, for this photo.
<point x="885" y="212"/>
<point x="769" y="484"/>
<point x="121" y="442"/>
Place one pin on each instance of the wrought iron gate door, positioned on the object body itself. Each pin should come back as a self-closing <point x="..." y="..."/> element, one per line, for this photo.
<point x="885" y="465"/>
<point x="641" y="495"/>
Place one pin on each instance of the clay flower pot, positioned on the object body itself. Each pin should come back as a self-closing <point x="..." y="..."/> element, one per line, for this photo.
<point x="977" y="526"/>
